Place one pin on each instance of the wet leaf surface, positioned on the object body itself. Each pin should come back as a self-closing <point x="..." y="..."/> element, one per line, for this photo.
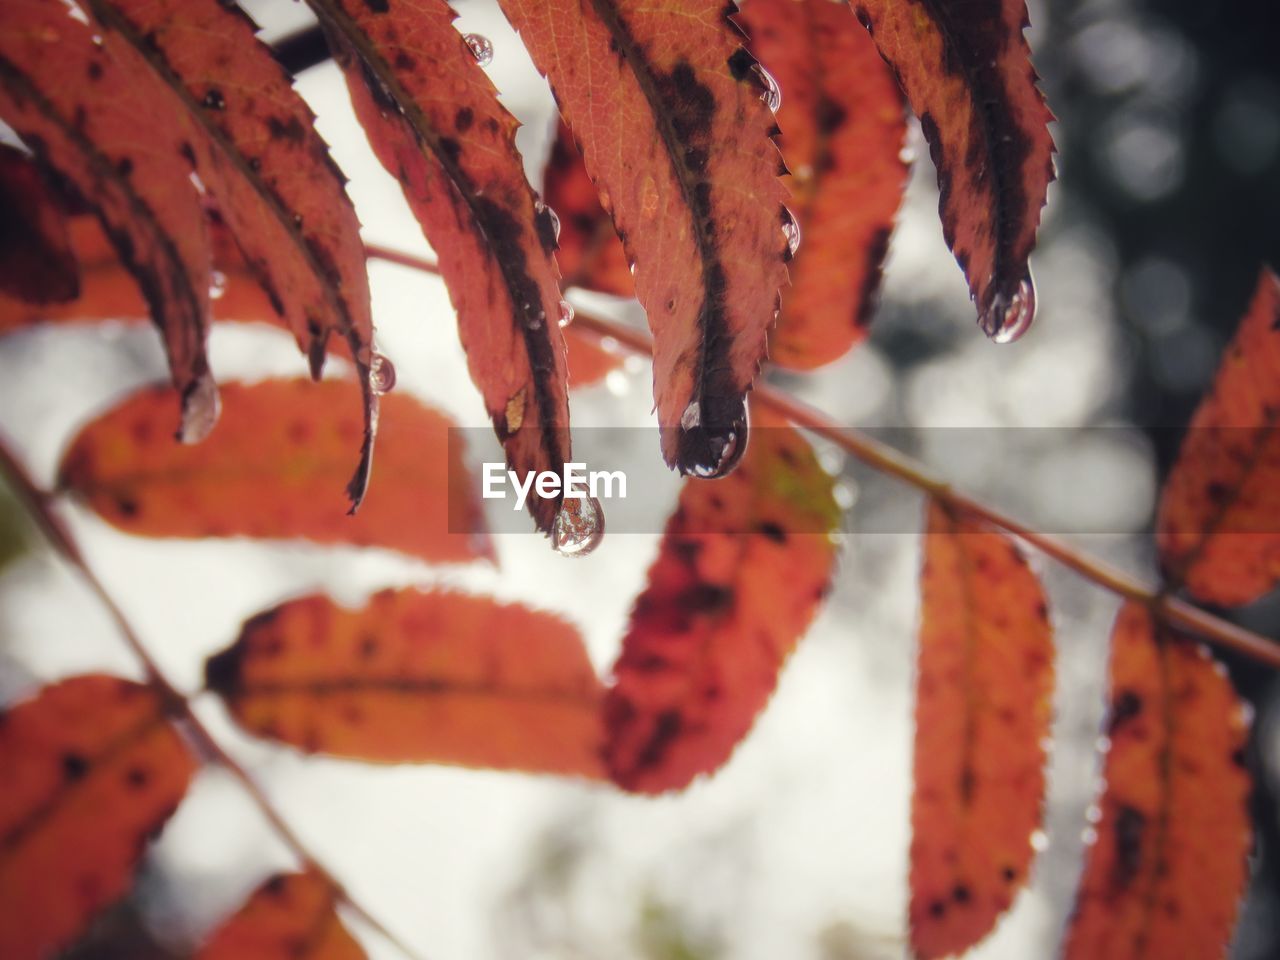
<point x="434" y="120"/>
<point x="967" y="72"/>
<point x="843" y="126"/>
<point x="684" y="162"/>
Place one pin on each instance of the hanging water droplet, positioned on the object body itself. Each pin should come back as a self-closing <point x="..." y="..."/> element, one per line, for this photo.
<point x="1009" y="317"/>
<point x="542" y="210"/>
<point x="200" y="409"/>
<point x="578" y="528"/>
<point x="382" y="375"/>
<point x="566" y="313"/>
<point x="691" y="417"/>
<point x="217" y="284"/>
<point x="481" y="48"/>
<point x="714" y="454"/>
<point x="907" y="155"/>
<point x="770" y="92"/>
<point x="790" y="230"/>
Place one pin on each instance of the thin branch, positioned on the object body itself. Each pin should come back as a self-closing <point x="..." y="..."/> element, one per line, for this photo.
<point x="891" y="462"/>
<point x="38" y="506"/>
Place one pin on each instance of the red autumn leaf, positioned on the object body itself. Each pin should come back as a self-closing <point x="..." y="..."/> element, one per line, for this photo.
<point x="417" y="678"/>
<point x="90" y="769"/>
<point x="668" y="108"/>
<point x="289" y="916"/>
<point x="1219" y="520"/>
<point x="984" y="687"/>
<point x="967" y="72"/>
<point x="100" y="122"/>
<point x="270" y="472"/>
<point x="252" y="142"/>
<point x="744" y="563"/>
<point x="843" y="126"/>
<point x="36" y="262"/>
<point x="590" y="253"/>
<point x="1167" y="869"/>
<point x="434" y="120"/>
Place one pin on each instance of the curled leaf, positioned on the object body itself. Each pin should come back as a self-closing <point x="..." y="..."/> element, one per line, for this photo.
<point x="90" y="770"/>
<point x="1219" y="521"/>
<point x="288" y="916"/>
<point x="417" y="678"/>
<point x="984" y="686"/>
<point x="434" y="120"/>
<point x="270" y="472"/>
<point x="252" y="143"/>
<point x="743" y="566"/>
<point x="843" y="125"/>
<point x="111" y="131"/>
<point x="684" y="163"/>
<point x="967" y="73"/>
<point x="36" y="262"/>
<point x="1166" y="868"/>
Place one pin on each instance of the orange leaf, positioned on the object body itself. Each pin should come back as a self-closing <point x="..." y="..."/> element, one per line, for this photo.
<point x="103" y="124"/>
<point x="270" y="471"/>
<point x="589" y="253"/>
<point x="252" y="142"/>
<point x="434" y="120"/>
<point x="743" y="566"/>
<point x="1166" y="872"/>
<point x="967" y="72"/>
<point x="983" y="703"/>
<point x="588" y="361"/>
<point x="668" y="109"/>
<point x="1219" y="519"/>
<point x="289" y="916"/>
<point x="843" y="125"/>
<point x="36" y="262"/>
<point x="417" y="678"/>
<point x="90" y="769"/>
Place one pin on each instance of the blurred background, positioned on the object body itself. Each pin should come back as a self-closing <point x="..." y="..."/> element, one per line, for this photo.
<point x="1167" y="203"/>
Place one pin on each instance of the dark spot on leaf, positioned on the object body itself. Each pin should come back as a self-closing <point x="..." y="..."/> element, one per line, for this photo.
<point x="450" y="149"/>
<point x="666" y="728"/>
<point x="960" y="893"/>
<point x="1124" y="707"/>
<point x="95" y="70"/>
<point x="1130" y="825"/>
<point x="213" y="99"/>
<point x="127" y="506"/>
<point x="275" y="885"/>
<point x="368" y="647"/>
<point x="830" y="115"/>
<point x="377" y="6"/>
<point x="937" y="908"/>
<point x="403" y="61"/>
<point x="773" y="531"/>
<point x="286" y="128"/>
<point x="463" y="119"/>
<point x="137" y="777"/>
<point x="74" y="765"/>
<point x="1008" y="874"/>
<point x="707" y="598"/>
<point x="740" y="64"/>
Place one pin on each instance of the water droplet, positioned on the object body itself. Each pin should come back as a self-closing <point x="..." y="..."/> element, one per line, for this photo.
<point x="382" y="375"/>
<point x="566" y="313"/>
<point x="770" y="93"/>
<point x="217" y="284"/>
<point x="1089" y="836"/>
<point x="1039" y="841"/>
<point x="481" y="48"/>
<point x="790" y="230"/>
<point x="542" y="209"/>
<point x="578" y="528"/>
<point x="200" y="409"/>
<point x="845" y="495"/>
<point x="692" y="416"/>
<point x="1093" y="813"/>
<point x="1009" y="317"/>
<point x="708" y="455"/>
<point x="297" y="221"/>
<point x="907" y="155"/>
<point x="632" y="267"/>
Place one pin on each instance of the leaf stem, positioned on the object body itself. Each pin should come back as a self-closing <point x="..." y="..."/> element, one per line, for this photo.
<point x="38" y="504"/>
<point x="887" y="460"/>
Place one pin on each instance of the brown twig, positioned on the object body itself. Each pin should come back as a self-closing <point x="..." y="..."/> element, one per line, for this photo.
<point x="891" y="462"/>
<point x="38" y="506"/>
